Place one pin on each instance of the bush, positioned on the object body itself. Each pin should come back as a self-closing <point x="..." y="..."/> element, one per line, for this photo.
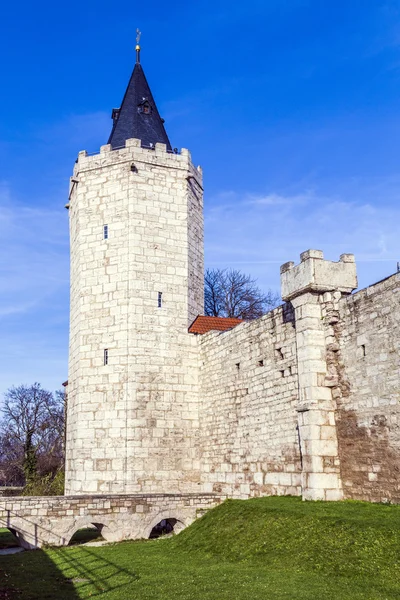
<point x="48" y="485"/>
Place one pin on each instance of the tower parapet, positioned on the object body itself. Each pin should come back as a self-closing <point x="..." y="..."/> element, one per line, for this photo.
<point x="314" y="274"/>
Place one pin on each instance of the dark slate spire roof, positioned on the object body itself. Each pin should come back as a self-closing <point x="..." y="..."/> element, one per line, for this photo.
<point x="138" y="116"/>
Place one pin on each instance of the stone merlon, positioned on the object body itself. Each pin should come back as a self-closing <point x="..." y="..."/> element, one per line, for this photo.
<point x="314" y="274"/>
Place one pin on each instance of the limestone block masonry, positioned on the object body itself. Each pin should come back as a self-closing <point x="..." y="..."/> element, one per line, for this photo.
<point x="308" y="286"/>
<point x="54" y="520"/>
<point x="363" y="354"/>
<point x="136" y="227"/>
<point x="306" y="400"/>
<point x="303" y="401"/>
<point x="248" y="420"/>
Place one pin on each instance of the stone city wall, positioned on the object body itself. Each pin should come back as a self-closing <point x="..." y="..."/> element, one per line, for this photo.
<point x="248" y="399"/>
<point x="306" y="400"/>
<point x="367" y="368"/>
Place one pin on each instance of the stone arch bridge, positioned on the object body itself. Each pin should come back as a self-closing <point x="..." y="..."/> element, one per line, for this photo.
<point x="53" y="520"/>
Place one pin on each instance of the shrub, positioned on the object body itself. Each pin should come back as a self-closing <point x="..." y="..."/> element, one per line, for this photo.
<point x="48" y="485"/>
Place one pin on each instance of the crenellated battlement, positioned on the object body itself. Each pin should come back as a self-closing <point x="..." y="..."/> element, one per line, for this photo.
<point x="159" y="155"/>
<point x="315" y="274"/>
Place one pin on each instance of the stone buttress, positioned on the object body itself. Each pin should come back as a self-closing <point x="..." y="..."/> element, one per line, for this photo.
<point x="311" y="287"/>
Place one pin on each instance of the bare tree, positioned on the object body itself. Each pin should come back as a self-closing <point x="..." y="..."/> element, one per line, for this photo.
<point x="11" y="460"/>
<point x="231" y="293"/>
<point x="31" y="431"/>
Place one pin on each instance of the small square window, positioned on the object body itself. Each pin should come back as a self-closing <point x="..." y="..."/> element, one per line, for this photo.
<point x="144" y="107"/>
<point x="105" y="232"/>
<point x="106" y="357"/>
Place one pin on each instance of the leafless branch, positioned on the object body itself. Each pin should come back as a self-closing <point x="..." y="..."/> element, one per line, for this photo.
<point x="231" y="293"/>
<point x="31" y="428"/>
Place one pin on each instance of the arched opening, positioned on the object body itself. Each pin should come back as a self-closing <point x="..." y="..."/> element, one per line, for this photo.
<point x="163" y="528"/>
<point x="90" y="533"/>
<point x="8" y="539"/>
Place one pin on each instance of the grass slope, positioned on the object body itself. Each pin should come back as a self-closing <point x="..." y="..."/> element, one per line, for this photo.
<point x="266" y="548"/>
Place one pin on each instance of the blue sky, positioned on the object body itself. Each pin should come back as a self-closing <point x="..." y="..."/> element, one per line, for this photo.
<point x="291" y="107"/>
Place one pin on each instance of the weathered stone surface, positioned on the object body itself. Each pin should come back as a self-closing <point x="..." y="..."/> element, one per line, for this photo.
<point x="248" y="391"/>
<point x="54" y="520"/>
<point x="314" y="274"/>
<point x="132" y="424"/>
<point x="368" y="391"/>
<point x="304" y="400"/>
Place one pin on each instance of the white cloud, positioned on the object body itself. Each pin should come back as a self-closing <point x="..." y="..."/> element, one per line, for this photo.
<point x="34" y="286"/>
<point x="33" y="256"/>
<point x="257" y="233"/>
<point x="275" y="199"/>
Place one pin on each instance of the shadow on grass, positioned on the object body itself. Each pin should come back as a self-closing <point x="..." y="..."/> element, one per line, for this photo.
<point x="33" y="577"/>
<point x="65" y="574"/>
<point x="95" y="572"/>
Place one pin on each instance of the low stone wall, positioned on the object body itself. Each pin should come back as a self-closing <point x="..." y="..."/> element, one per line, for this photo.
<point x="53" y="520"/>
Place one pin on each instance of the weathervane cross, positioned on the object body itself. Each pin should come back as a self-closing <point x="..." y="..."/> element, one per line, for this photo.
<point x="138" y="34"/>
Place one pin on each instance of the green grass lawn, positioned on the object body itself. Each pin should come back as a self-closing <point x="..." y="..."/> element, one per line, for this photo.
<point x="266" y="548"/>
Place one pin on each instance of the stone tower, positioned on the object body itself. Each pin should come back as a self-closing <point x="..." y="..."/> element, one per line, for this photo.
<point x="136" y="230"/>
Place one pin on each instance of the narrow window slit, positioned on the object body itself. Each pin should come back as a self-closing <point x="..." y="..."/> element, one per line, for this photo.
<point x="105" y="232"/>
<point x="237" y="366"/>
<point x="106" y="357"/>
<point x="363" y="352"/>
<point x="282" y="373"/>
<point x="159" y="299"/>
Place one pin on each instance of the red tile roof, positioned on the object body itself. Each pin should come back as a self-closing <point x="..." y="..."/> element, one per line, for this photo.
<point x="203" y="324"/>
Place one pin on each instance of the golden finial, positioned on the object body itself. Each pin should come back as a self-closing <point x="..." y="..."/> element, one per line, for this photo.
<point x="138" y="34"/>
